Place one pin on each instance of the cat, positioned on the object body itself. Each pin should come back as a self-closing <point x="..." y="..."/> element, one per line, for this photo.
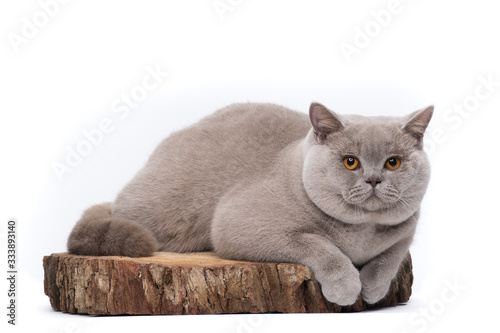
<point x="259" y="182"/>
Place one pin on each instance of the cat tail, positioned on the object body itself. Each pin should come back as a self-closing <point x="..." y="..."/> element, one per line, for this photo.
<point x="98" y="233"/>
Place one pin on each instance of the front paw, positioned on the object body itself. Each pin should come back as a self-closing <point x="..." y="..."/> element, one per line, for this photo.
<point x="343" y="290"/>
<point x="374" y="289"/>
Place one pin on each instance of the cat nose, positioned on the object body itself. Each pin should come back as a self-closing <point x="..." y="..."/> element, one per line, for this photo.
<point x="374" y="181"/>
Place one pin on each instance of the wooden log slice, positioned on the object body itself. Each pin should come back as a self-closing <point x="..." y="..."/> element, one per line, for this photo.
<point x="193" y="283"/>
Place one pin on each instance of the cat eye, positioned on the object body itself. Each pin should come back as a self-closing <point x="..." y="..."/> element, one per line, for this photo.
<point x="393" y="163"/>
<point x="351" y="163"/>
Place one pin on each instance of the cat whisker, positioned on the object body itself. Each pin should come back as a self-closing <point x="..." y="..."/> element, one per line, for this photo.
<point x="407" y="203"/>
<point x="357" y="194"/>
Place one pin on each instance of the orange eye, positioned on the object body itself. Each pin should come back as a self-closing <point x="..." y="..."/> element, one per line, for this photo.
<point x="351" y="163"/>
<point x="393" y="163"/>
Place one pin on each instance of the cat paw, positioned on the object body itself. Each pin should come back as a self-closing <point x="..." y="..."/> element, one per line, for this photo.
<point x="344" y="290"/>
<point x="373" y="289"/>
<point x="373" y="294"/>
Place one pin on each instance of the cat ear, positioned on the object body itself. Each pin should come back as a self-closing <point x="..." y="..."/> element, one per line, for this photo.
<point x="323" y="121"/>
<point x="417" y="122"/>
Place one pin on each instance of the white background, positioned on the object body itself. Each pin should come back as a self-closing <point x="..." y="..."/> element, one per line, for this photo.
<point x="72" y="70"/>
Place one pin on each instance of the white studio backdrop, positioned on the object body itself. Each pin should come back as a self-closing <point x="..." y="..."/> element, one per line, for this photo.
<point x="90" y="88"/>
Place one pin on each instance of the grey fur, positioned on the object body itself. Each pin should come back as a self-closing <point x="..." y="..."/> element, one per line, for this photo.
<point x="257" y="182"/>
<point x="100" y="234"/>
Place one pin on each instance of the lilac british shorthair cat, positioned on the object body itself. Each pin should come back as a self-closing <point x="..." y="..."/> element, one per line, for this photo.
<point x="259" y="182"/>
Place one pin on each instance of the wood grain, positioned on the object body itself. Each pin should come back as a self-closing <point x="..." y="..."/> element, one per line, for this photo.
<point x="193" y="283"/>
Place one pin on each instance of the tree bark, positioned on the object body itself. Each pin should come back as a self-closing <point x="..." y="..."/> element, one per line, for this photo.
<point x="193" y="283"/>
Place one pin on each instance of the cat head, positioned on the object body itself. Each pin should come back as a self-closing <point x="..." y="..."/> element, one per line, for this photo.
<point x="366" y="169"/>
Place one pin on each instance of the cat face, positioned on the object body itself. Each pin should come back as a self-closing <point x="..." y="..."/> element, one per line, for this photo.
<point x="366" y="169"/>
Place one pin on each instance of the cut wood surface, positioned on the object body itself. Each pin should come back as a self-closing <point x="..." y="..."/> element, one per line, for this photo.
<point x="193" y="283"/>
